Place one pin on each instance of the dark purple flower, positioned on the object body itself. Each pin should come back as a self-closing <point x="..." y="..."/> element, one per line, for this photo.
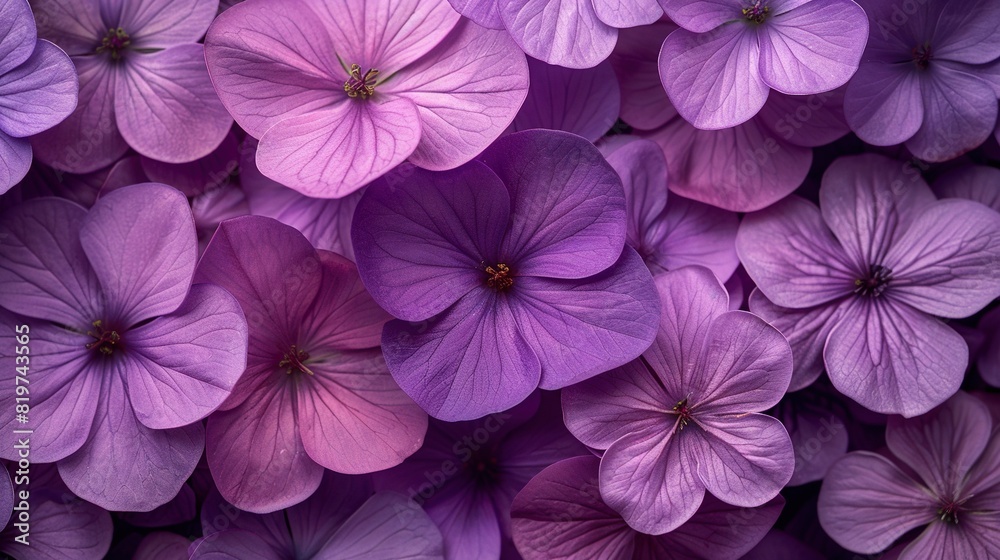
<point x="988" y="359"/>
<point x="584" y="102"/>
<point x="560" y="516"/>
<point x="316" y="393"/>
<point x="126" y="354"/>
<point x="669" y="234"/>
<point x="815" y="420"/>
<point x="143" y="82"/>
<point x="719" y="68"/>
<point x="467" y="473"/>
<point x="944" y="473"/>
<point x="684" y="418"/>
<point x="974" y="182"/>
<point x="340" y="92"/>
<point x="858" y="283"/>
<point x="161" y="545"/>
<point x="342" y="520"/>
<point x="204" y="174"/>
<point x="507" y="274"/>
<point x="925" y="78"/>
<point x="779" y="545"/>
<point x="38" y="88"/>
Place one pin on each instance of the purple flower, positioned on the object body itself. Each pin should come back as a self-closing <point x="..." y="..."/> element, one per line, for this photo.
<point x="316" y="393"/>
<point x="126" y="354"/>
<point x="560" y="516"/>
<point x="815" y="422"/>
<point x="683" y="418"/>
<point x="341" y="520"/>
<point x="573" y="34"/>
<point x="719" y="68"/>
<point x="196" y="177"/>
<point x="857" y="284"/>
<point x="143" y="82"/>
<point x="161" y="545"/>
<point x="341" y="92"/>
<point x="507" y="274"/>
<point x="675" y="234"/>
<point x="467" y="473"/>
<point x="974" y="182"/>
<point x="925" y="78"/>
<point x="743" y="168"/>
<point x="988" y="360"/>
<point x="584" y="102"/>
<point x="942" y="474"/>
<point x="38" y="88"/>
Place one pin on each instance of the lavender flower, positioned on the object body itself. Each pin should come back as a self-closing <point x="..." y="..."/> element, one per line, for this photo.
<point x="926" y="77"/>
<point x="683" y="418"/>
<point x="560" y="516"/>
<point x="507" y="274"/>
<point x="719" y="68"/>
<point x="467" y="473"/>
<point x="143" y="82"/>
<point x="38" y="88"/>
<point x="127" y="355"/>
<point x="858" y="283"/>
<point x="942" y="474"/>
<point x="316" y="393"/>
<point x="341" y="92"/>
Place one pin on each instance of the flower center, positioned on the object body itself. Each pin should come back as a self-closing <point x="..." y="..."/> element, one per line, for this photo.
<point x="499" y="277"/>
<point x="922" y="55"/>
<point x="106" y="340"/>
<point x="294" y="360"/>
<point x="360" y="85"/>
<point x="684" y="412"/>
<point x="757" y="11"/>
<point x="948" y="512"/>
<point x="873" y="283"/>
<point x="483" y="467"/>
<point x="115" y="42"/>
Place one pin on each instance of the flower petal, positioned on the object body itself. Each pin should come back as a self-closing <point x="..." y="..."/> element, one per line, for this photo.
<point x="44" y="272"/>
<point x="580" y="328"/>
<point x="255" y="452"/>
<point x="627" y="13"/>
<point x="343" y="315"/>
<point x="700" y="15"/>
<point x="649" y="478"/>
<point x="39" y="94"/>
<point x="943" y="445"/>
<point x="745" y="366"/>
<point x="584" y="102"/>
<point x="645" y="104"/>
<point x="15" y="160"/>
<point x="806" y="120"/>
<point x="566" y="33"/>
<point x="974" y="182"/>
<point x="75" y="25"/>
<point x="88" y="139"/>
<point x="866" y="503"/>
<point x="712" y="78"/>
<point x="424" y="239"/>
<point x="972" y="540"/>
<point x="67" y="528"/>
<point x="484" y="12"/>
<point x="813" y="48"/>
<point x="791" y="255"/>
<point x="17" y="37"/>
<point x="142" y="245"/>
<point x="234" y="544"/>
<point x="883" y="103"/>
<point x="336" y="151"/>
<point x="604" y="409"/>
<point x="643" y="170"/>
<point x="745" y="460"/>
<point x="893" y="359"/>
<point x="468" y="521"/>
<point x="387" y="527"/>
<point x="210" y="173"/>
<point x="692" y="233"/>
<point x="460" y="115"/>
<point x="966" y="32"/>
<point x="960" y="110"/>
<point x="125" y="466"/>
<point x="161" y="24"/>
<point x="948" y="262"/>
<point x="568" y="213"/>
<point x="183" y="365"/>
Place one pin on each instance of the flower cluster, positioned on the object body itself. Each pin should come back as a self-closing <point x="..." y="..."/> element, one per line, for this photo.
<point x="499" y="279"/>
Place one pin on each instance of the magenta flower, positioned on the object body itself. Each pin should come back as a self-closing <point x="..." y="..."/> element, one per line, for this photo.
<point x="857" y="284"/>
<point x="942" y="475"/>
<point x="467" y="473"/>
<point x="341" y="92"/>
<point x="719" y="68"/>
<point x="741" y="169"/>
<point x="560" y="516"/>
<point x="574" y="34"/>
<point x="683" y="418"/>
<point x="675" y="233"/>
<point x="316" y="393"/>
<point x="143" y="82"/>
<point x="127" y="356"/>
<point x="38" y="88"/>
<point x="341" y="520"/>
<point x="507" y="274"/>
<point x="925" y="78"/>
<point x="584" y="102"/>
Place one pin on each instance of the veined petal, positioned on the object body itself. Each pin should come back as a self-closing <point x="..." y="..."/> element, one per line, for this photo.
<point x="15" y="160"/>
<point x="387" y="527"/>
<point x="883" y="103"/>
<point x="584" y="102"/>
<point x="627" y="13"/>
<point x="38" y="94"/>
<point x="17" y="34"/>
<point x="566" y="33"/>
<point x="161" y="24"/>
